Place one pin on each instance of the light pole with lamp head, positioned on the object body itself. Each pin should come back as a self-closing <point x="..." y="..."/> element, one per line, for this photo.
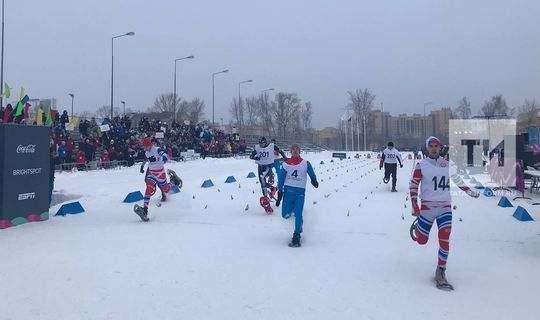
<point x="425" y="123"/>
<point x="213" y="92"/>
<point x="239" y="96"/>
<point x="2" y="62"/>
<point x="124" y="104"/>
<point x="174" y="102"/>
<point x="112" y="68"/>
<point x="72" y="98"/>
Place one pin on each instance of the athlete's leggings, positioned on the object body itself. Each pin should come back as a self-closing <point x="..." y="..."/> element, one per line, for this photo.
<point x="293" y="201"/>
<point x="264" y="172"/>
<point x="153" y="178"/>
<point x="442" y="213"/>
<point x="390" y="169"/>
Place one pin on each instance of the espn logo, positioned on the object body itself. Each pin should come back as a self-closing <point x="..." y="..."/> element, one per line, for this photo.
<point x="26" y="196"/>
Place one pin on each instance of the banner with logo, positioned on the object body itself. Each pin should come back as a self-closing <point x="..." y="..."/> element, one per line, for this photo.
<point x="24" y="174"/>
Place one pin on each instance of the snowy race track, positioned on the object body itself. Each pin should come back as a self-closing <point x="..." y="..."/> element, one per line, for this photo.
<point x="203" y="256"/>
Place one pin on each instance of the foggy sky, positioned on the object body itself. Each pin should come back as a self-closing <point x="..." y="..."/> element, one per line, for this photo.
<point x="406" y="52"/>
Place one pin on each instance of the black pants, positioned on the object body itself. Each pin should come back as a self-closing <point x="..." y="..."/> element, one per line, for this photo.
<point x="390" y="169"/>
<point x="264" y="172"/>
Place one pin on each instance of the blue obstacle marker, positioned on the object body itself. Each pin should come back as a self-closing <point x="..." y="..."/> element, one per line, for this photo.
<point x="175" y="189"/>
<point x="133" y="197"/>
<point x="322" y="162"/>
<point x="488" y="192"/>
<point x="479" y="186"/>
<point x="522" y="215"/>
<point x="230" y="179"/>
<point x="466" y="176"/>
<point x="473" y="180"/>
<point x="70" y="208"/>
<point x="251" y="175"/>
<point x="505" y="203"/>
<point x="207" y="184"/>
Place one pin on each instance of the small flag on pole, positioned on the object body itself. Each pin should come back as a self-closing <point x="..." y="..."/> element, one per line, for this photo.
<point x="7" y="90"/>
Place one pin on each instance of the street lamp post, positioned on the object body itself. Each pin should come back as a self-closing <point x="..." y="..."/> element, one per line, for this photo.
<point x="2" y="62"/>
<point x="176" y="60"/>
<point x="269" y="89"/>
<point x="124" y="104"/>
<point x="425" y="124"/>
<point x="213" y="92"/>
<point x="112" y="67"/>
<point x="239" y="96"/>
<point x="72" y="98"/>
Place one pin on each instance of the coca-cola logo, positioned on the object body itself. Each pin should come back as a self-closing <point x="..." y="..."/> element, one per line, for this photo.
<point x="31" y="148"/>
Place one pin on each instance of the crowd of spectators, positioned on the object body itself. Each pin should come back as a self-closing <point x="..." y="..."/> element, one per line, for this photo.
<point x="120" y="140"/>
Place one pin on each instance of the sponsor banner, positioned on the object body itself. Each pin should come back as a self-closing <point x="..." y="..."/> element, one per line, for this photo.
<point x="341" y="155"/>
<point x="24" y="172"/>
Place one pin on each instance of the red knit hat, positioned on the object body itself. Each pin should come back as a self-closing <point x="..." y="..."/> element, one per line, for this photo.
<point x="147" y="142"/>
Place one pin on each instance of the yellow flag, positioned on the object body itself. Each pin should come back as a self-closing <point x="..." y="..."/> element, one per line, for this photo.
<point x="7" y="90"/>
<point x="74" y="121"/>
<point x="22" y="94"/>
<point x="39" y="117"/>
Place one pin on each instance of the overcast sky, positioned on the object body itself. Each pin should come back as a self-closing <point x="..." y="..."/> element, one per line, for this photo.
<point x="406" y="52"/>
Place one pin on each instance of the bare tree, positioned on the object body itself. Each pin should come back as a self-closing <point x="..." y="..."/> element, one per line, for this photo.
<point x="361" y="103"/>
<point x="195" y="110"/>
<point x="463" y="110"/>
<point x="307" y="114"/>
<point x="165" y="102"/>
<point x="105" y="112"/>
<point x="286" y="113"/>
<point x="496" y="106"/>
<point x="237" y="113"/>
<point x="267" y="108"/>
<point x="253" y="111"/>
<point x="528" y="112"/>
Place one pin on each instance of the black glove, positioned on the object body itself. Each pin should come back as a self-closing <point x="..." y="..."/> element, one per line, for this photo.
<point x="380" y="167"/>
<point x="314" y="183"/>
<point x="279" y="197"/>
<point x="142" y="168"/>
<point x="400" y="165"/>
<point x="257" y="158"/>
<point x="152" y="159"/>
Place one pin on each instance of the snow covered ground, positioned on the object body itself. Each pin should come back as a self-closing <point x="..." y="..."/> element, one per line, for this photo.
<point x="203" y="256"/>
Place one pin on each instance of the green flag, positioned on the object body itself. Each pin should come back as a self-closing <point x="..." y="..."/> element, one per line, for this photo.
<point x="20" y="106"/>
<point x="49" y="117"/>
<point x="19" y="109"/>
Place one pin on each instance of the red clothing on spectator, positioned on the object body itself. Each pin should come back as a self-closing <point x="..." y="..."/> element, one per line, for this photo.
<point x="69" y="145"/>
<point x="81" y="158"/>
<point x="7" y="113"/>
<point x="26" y="113"/>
